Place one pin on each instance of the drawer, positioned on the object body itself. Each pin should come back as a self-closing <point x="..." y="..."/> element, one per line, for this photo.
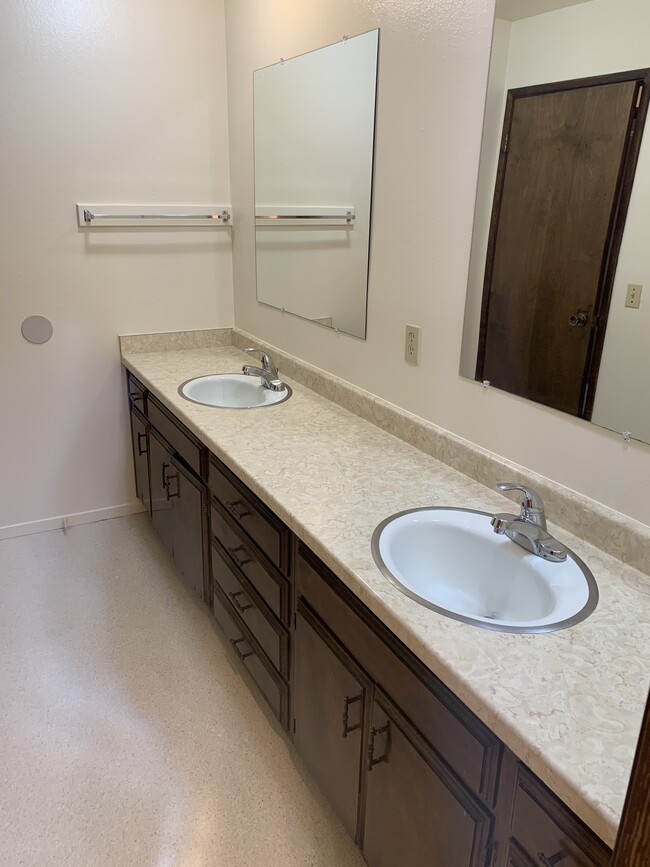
<point x="272" y="587"/>
<point x="251" y="515"/>
<point x="273" y="689"/>
<point x="468" y="746"/>
<point x="548" y="831"/>
<point x="137" y="391"/>
<point x="269" y="634"/>
<point x="183" y="442"/>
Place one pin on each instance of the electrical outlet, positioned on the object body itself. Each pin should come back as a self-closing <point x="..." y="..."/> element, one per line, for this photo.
<point x="633" y="297"/>
<point x="412" y="344"/>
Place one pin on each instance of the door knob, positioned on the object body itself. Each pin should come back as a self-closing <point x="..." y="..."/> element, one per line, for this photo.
<point x="579" y="319"/>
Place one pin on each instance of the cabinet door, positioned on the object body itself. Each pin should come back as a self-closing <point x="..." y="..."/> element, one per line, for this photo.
<point x="418" y="814"/>
<point x="189" y="524"/>
<point x="160" y="460"/>
<point x="140" y="442"/>
<point x="329" y="700"/>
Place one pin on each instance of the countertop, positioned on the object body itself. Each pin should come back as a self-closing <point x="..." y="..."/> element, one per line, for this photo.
<point x="568" y="703"/>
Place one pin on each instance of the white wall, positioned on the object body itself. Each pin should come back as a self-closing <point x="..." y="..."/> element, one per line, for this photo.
<point x="102" y="101"/>
<point x="432" y="74"/>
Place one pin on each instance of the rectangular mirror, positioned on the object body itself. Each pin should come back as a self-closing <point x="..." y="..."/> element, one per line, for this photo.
<point x="314" y="125"/>
<point x="555" y="307"/>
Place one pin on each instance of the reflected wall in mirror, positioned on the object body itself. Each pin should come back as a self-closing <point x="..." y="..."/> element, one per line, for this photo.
<point x="562" y="212"/>
<point x="314" y="124"/>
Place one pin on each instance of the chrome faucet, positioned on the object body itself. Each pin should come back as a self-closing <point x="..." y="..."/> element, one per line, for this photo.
<point x="268" y="372"/>
<point x="528" y="529"/>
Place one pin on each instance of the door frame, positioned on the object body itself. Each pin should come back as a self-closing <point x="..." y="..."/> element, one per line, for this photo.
<point x="618" y="216"/>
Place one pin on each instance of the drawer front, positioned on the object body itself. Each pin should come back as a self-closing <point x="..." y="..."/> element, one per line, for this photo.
<point x="273" y="588"/>
<point x="549" y="832"/>
<point x="468" y="746"/>
<point x="137" y="391"/>
<point x="272" y="638"/>
<point x="274" y="691"/>
<point x="184" y="443"/>
<point x="251" y="515"/>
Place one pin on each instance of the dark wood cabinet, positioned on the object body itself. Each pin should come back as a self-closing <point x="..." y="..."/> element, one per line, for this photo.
<point x="140" y="444"/>
<point x="329" y="702"/>
<point x="416" y="778"/>
<point x="417" y="812"/>
<point x="178" y="512"/>
<point x="160" y="458"/>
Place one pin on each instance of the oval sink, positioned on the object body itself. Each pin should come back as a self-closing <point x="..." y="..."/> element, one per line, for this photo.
<point x="452" y="561"/>
<point x="231" y="391"/>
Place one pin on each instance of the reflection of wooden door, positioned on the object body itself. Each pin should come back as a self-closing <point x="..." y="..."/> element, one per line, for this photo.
<point x="565" y="173"/>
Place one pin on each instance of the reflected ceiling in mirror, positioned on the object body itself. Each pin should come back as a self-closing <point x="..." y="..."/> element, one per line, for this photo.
<point x="314" y="124"/>
<point x="553" y="75"/>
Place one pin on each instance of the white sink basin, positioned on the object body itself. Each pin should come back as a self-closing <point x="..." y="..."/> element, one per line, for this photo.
<point x="232" y="391"/>
<point x="451" y="560"/>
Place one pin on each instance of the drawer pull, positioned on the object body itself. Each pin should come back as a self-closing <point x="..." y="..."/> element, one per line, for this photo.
<point x="142" y="451"/>
<point x="237" y="509"/>
<point x="347" y="728"/>
<point x="234" y="594"/>
<point x="381" y="730"/>
<point x="178" y="486"/>
<point x="240" y="561"/>
<point x="165" y="481"/>
<point x="235" y="642"/>
<point x="553" y="860"/>
<point x="135" y="396"/>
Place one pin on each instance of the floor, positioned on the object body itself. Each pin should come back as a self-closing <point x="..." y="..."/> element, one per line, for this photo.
<point x="127" y="737"/>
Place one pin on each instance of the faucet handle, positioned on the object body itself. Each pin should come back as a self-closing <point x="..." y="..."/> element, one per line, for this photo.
<point x="532" y="505"/>
<point x="267" y="364"/>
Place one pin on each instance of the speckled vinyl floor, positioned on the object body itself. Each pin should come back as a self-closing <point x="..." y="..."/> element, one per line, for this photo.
<point x="126" y="735"/>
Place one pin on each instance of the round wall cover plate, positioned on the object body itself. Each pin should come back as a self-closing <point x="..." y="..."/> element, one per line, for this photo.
<point x="37" y="329"/>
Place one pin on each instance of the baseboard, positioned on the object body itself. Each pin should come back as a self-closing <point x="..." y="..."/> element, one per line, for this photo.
<point x="65" y="521"/>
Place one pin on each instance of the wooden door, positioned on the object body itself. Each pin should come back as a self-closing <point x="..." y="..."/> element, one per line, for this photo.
<point x="160" y="459"/>
<point x="417" y="814"/>
<point x="329" y="697"/>
<point x="563" y="184"/>
<point x="140" y="443"/>
<point x="188" y="498"/>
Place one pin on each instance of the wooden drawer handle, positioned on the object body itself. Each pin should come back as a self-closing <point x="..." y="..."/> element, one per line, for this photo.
<point x="381" y="730"/>
<point x="234" y="594"/>
<point x="235" y="643"/>
<point x="237" y="509"/>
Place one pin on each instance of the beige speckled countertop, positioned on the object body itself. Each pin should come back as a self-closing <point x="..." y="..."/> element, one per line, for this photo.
<point x="567" y="703"/>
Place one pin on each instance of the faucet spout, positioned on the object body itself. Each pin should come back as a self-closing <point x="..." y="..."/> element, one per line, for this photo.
<point x="528" y="529"/>
<point x="268" y="372"/>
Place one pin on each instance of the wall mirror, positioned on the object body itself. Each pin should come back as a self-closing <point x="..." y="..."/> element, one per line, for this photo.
<point x="556" y="310"/>
<point x="314" y="125"/>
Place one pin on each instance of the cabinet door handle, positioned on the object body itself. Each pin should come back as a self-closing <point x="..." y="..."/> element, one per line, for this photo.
<point x="235" y="642"/>
<point x="165" y="480"/>
<point x="234" y="594"/>
<point x="553" y="860"/>
<point x="141" y="451"/>
<point x="347" y="728"/>
<point x="374" y="731"/>
<point x="237" y="509"/>
<point x="240" y="561"/>
<point x="178" y="486"/>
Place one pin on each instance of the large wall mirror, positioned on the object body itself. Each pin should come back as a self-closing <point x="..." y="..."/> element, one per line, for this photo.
<point x="558" y="298"/>
<point x="314" y="124"/>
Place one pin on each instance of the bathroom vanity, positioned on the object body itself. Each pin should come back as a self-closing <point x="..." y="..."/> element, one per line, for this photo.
<point x="416" y="776"/>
